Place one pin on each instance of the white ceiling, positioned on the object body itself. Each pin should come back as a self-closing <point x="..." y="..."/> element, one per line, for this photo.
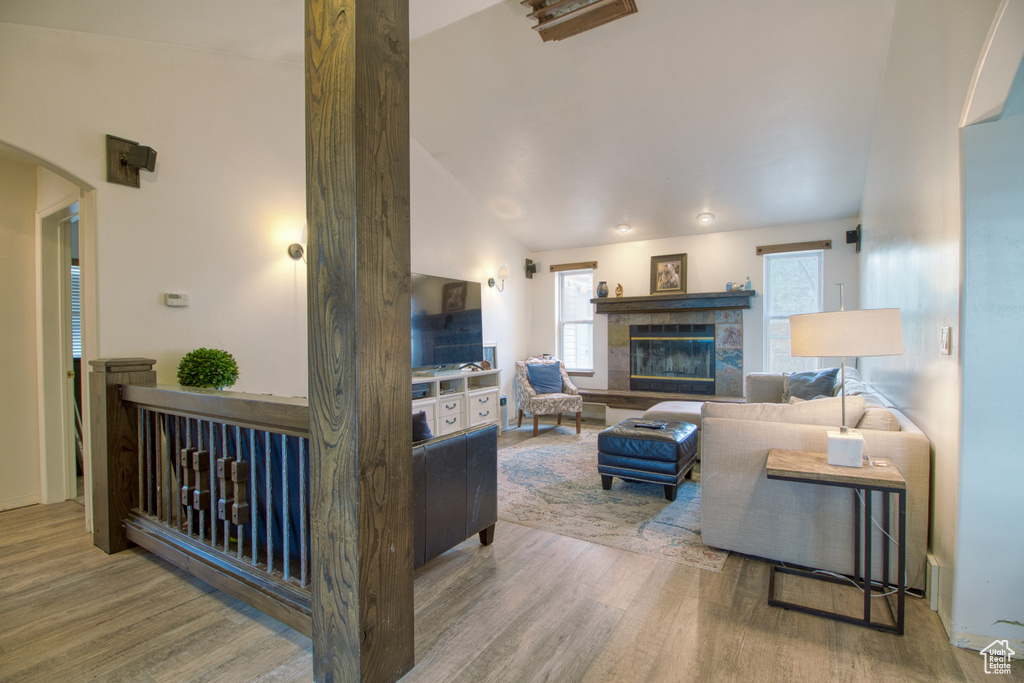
<point x="758" y="112"/>
<point x="263" y="29"/>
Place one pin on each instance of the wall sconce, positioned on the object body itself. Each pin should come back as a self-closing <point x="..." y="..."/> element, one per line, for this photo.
<point x="502" y="275"/>
<point x="531" y="268"/>
<point x="125" y="158"/>
<point x="297" y="250"/>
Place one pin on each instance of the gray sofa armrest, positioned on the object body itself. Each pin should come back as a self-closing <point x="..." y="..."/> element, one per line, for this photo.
<point x="764" y="387"/>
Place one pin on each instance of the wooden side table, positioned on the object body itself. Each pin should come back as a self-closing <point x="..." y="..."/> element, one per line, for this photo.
<point x="813" y="468"/>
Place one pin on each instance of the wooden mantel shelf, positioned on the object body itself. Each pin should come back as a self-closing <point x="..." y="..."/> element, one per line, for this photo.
<point x="661" y="303"/>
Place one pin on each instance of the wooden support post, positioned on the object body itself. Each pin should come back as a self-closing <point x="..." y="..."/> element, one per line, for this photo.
<point x="357" y="203"/>
<point x="115" y="447"/>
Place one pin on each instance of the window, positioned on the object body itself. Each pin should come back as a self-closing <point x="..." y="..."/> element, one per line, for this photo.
<point x="792" y="286"/>
<point x="576" y="318"/>
<point x="76" y="315"/>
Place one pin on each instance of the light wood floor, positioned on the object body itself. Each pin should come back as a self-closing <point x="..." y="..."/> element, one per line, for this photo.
<point x="532" y="606"/>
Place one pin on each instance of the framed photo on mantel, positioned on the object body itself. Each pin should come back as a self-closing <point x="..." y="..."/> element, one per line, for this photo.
<point x="668" y="274"/>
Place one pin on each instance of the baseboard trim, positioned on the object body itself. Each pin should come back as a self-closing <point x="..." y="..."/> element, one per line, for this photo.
<point x="19" y="502"/>
<point x="975" y="641"/>
<point x="932" y="582"/>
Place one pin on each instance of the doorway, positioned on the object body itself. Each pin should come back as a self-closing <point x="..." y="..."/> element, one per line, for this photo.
<point x="60" y="346"/>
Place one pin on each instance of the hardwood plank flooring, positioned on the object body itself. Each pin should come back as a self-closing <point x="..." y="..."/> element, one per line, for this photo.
<point x="531" y="606"/>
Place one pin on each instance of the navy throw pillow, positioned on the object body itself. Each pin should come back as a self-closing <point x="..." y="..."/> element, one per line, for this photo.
<point x="420" y="428"/>
<point x="545" y="378"/>
<point x="812" y="384"/>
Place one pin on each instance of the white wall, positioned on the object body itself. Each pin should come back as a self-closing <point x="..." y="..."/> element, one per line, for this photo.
<point x="712" y="261"/>
<point x="990" y="553"/>
<point x="215" y="218"/>
<point x="227" y="197"/>
<point x="911" y="217"/>
<point x="19" y="416"/>
<point x="52" y="190"/>
<point x="454" y="236"/>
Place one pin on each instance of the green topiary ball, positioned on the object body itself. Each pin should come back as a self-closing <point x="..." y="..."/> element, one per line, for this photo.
<point x="207" y="368"/>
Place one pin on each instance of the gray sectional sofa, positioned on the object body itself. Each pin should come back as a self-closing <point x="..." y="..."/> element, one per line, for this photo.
<point x="743" y="511"/>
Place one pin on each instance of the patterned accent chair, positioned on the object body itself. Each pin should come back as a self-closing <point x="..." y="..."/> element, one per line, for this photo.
<point x="530" y="402"/>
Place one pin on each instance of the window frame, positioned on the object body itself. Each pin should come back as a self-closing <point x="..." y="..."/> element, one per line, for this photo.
<point x="561" y="322"/>
<point x="769" y="259"/>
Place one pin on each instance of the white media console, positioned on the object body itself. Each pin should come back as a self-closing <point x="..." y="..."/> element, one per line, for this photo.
<point x="458" y="400"/>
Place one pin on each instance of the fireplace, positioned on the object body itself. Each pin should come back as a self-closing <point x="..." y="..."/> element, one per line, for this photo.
<point x="712" y="314"/>
<point x="674" y="358"/>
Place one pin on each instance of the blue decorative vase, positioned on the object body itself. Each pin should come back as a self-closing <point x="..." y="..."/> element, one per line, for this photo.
<point x="602" y="289"/>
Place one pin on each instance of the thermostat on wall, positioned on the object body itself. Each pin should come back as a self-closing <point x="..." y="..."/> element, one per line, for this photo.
<point x="176" y="299"/>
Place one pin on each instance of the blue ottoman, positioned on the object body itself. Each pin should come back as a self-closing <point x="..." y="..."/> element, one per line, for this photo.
<point x="656" y="456"/>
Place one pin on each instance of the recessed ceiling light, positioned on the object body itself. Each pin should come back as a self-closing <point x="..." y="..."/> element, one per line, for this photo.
<point x="705" y="218"/>
<point x="623" y="228"/>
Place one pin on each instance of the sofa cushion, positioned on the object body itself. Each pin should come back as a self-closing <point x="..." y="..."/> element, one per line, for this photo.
<point x="880" y="419"/>
<point x="675" y="411"/>
<point x="823" y="411"/>
<point x="809" y="385"/>
<point x="764" y="387"/>
<point x="545" y="378"/>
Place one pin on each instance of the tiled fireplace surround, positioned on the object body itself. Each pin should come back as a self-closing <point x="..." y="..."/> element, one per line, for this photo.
<point x="728" y="345"/>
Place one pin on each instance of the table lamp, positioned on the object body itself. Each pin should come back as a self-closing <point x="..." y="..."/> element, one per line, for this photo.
<point x="842" y="333"/>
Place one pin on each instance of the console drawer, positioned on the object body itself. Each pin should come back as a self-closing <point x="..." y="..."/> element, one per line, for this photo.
<point x="446" y="424"/>
<point x="449" y="405"/>
<point x="483" y="408"/>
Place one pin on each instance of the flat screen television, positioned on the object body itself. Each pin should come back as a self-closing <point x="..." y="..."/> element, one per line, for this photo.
<point x="447" y="322"/>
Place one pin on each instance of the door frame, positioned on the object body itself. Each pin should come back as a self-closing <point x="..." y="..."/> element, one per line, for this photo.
<point x="57" y="476"/>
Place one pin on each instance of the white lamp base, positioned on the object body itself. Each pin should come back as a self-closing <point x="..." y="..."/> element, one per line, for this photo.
<point x="845" y="449"/>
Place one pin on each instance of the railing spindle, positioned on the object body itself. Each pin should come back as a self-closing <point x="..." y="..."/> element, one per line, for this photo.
<point x="176" y="421"/>
<point x="154" y="468"/>
<point x="239" y="529"/>
<point x="303" y="553"/>
<point x="163" y="507"/>
<point x="252" y="495"/>
<point x="227" y="457"/>
<point x="286" y="511"/>
<point x="142" y="461"/>
<point x="213" y="498"/>
<point x="200" y="507"/>
<point x="269" y="506"/>
<point x="159" y="450"/>
<point x="188" y="445"/>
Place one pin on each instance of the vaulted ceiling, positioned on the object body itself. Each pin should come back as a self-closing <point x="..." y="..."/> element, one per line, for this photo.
<point x="760" y="113"/>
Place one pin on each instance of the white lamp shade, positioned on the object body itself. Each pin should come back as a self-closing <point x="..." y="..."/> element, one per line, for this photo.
<point x="848" y="334"/>
<point x="502" y="272"/>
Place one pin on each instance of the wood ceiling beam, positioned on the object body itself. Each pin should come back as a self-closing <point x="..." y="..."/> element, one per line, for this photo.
<point x="558" y="19"/>
<point x="545" y="10"/>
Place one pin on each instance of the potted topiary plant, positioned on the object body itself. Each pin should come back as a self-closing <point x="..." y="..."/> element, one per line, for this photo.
<point x="212" y="368"/>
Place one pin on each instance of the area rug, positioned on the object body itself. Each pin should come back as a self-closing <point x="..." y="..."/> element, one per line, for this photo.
<point x="550" y="482"/>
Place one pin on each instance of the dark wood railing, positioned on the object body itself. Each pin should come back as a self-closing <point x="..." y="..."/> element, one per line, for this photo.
<point x="215" y="482"/>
